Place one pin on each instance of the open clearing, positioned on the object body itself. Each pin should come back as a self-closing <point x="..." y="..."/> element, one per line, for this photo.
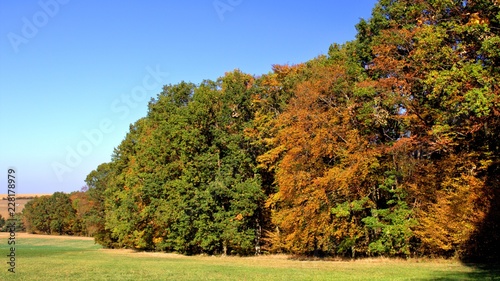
<point x="40" y="257"/>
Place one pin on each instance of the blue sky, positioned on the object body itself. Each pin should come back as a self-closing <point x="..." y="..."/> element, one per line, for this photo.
<point x="75" y="74"/>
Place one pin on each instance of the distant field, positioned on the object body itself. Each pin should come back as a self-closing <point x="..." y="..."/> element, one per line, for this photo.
<point x="42" y="257"/>
<point x="19" y="208"/>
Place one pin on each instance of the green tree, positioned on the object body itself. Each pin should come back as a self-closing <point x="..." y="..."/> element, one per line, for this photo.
<point x="2" y="222"/>
<point x="184" y="177"/>
<point x="36" y="215"/>
<point x="92" y="206"/>
<point x="52" y="214"/>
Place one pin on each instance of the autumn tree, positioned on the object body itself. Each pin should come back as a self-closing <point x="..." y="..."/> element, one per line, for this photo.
<point x="324" y="162"/>
<point x="435" y="62"/>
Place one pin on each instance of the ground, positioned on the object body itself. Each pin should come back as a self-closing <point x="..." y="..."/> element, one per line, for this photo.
<point x="45" y="257"/>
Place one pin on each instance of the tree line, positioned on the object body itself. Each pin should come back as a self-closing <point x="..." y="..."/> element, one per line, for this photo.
<point x="388" y="145"/>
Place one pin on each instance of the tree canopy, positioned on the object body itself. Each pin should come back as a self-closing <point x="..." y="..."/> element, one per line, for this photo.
<point x="388" y="145"/>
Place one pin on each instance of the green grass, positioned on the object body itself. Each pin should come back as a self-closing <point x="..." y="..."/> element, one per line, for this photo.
<point x="48" y="258"/>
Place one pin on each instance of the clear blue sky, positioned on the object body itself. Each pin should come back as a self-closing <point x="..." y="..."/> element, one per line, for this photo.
<point x="75" y="74"/>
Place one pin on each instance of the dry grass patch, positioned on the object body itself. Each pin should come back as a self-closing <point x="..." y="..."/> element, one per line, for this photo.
<point x="23" y="235"/>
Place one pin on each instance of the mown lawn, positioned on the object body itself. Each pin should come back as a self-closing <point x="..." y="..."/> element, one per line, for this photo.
<point x="62" y="258"/>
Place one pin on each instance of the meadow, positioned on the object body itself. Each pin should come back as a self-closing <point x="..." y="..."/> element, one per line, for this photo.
<point x="41" y="257"/>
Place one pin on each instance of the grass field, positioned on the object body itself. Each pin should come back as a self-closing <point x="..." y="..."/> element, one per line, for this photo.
<point x="69" y="258"/>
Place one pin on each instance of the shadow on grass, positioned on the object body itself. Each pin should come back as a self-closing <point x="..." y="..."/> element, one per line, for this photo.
<point x="485" y="271"/>
<point x="479" y="272"/>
